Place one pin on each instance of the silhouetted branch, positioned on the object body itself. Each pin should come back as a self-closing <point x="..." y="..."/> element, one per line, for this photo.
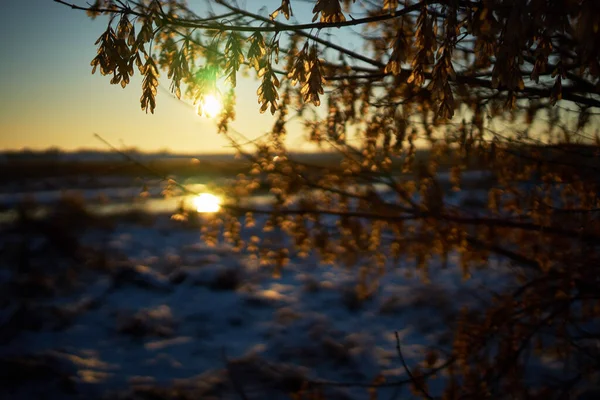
<point x="414" y="380"/>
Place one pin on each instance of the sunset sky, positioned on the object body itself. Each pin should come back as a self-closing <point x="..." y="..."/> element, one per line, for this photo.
<point x="48" y="96"/>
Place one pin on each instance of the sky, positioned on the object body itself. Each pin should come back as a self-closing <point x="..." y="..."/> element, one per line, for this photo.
<point x="49" y="98"/>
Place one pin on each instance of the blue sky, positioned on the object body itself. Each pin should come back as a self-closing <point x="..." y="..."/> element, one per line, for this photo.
<point x="48" y="96"/>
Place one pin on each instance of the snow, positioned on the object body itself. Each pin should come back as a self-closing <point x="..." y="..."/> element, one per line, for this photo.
<point x="171" y="312"/>
<point x="174" y="309"/>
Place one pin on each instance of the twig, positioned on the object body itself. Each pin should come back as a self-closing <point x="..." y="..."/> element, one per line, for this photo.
<point x="74" y="6"/>
<point x="410" y="375"/>
<point x="140" y="164"/>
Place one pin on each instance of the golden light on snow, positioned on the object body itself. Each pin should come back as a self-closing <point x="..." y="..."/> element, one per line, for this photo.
<point x="206" y="203"/>
<point x="210" y="106"/>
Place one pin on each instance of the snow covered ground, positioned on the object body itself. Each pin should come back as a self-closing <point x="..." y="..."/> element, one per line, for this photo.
<point x="166" y="314"/>
<point x="169" y="311"/>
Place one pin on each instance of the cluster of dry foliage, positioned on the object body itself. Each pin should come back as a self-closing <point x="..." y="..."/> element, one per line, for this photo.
<point x="510" y="87"/>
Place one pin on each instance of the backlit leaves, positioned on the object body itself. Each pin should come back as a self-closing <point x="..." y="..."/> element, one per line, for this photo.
<point x="267" y="91"/>
<point x="114" y="55"/>
<point x="118" y="52"/>
<point x="390" y="6"/>
<point x="149" y="85"/>
<point x="178" y="68"/>
<point x="426" y="45"/>
<point x="126" y="31"/>
<point x="330" y="10"/>
<point x="146" y="32"/>
<point x="313" y="86"/>
<point x="300" y="66"/>
<point x="234" y="57"/>
<point x="257" y="49"/>
<point x="285" y="8"/>
<point x="399" y="53"/>
<point x="443" y="71"/>
<point x="498" y="38"/>
<point x="105" y="59"/>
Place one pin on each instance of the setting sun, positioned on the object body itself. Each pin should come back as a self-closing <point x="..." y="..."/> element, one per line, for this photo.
<point x="207" y="203"/>
<point x="210" y="106"/>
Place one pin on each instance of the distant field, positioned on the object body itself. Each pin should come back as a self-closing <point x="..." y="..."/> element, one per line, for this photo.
<point x="34" y="169"/>
<point x="20" y="168"/>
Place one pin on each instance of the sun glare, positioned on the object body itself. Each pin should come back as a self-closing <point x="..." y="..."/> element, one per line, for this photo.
<point x="210" y="106"/>
<point x="207" y="203"/>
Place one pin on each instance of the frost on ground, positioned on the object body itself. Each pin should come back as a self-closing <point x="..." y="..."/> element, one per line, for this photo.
<point x="168" y="316"/>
